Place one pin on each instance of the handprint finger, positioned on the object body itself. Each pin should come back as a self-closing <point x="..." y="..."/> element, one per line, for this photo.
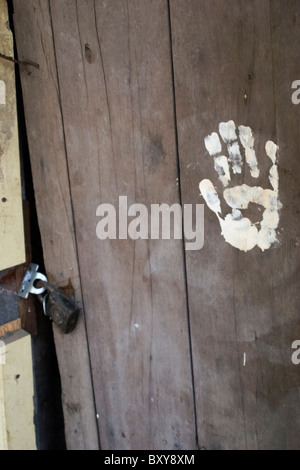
<point x="271" y="151"/>
<point x="222" y="168"/>
<point x="214" y="147"/>
<point x="210" y="195"/>
<point x="247" y="141"/>
<point x="213" y="144"/>
<point x="228" y="133"/>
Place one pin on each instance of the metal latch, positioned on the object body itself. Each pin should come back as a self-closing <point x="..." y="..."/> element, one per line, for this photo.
<point x="56" y="305"/>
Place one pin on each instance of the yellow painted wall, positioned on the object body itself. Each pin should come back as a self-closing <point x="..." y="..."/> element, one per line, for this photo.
<point x="17" y="431"/>
<point x="12" y="246"/>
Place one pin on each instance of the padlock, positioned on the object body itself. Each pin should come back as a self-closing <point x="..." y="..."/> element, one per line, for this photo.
<point x="56" y="305"/>
<point x="59" y="308"/>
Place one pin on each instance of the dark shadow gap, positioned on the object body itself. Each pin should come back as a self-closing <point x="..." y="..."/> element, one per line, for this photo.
<point x="181" y="203"/>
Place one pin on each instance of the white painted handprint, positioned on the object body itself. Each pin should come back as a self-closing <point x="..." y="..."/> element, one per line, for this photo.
<point x="237" y="229"/>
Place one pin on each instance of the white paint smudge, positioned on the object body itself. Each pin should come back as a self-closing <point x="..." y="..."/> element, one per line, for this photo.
<point x="244" y="359"/>
<point x="222" y="168"/>
<point x="227" y="131"/>
<point x="210" y="195"/>
<point x="274" y="178"/>
<point x="136" y="325"/>
<point x="271" y="151"/>
<point x="247" y="141"/>
<point x="236" y="229"/>
<point x="235" y="157"/>
<point x="213" y="144"/>
<point x="239" y="233"/>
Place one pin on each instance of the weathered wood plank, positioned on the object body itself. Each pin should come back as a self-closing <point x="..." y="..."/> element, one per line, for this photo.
<point x="10" y="327"/>
<point x="243" y="305"/>
<point x="115" y="79"/>
<point x="112" y="107"/>
<point x="12" y="245"/>
<point x="286" y="63"/>
<point x="42" y="101"/>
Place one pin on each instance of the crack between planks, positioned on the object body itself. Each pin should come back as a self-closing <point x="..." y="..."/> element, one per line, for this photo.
<point x="81" y="48"/>
<point x="73" y="218"/>
<point x="180" y="202"/>
<point x="106" y="93"/>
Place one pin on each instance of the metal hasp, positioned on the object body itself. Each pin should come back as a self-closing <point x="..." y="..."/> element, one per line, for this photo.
<point x="28" y="284"/>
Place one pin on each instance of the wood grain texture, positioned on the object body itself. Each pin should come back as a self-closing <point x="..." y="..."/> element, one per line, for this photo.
<point x="104" y="91"/>
<point x="12" y="245"/>
<point x="119" y="128"/>
<point x="54" y="206"/>
<point x="101" y="124"/>
<point x="228" y="64"/>
<point x="10" y="327"/>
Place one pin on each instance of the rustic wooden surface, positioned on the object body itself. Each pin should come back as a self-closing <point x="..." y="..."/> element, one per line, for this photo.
<point x="12" y="246"/>
<point x="101" y="121"/>
<point x="110" y="103"/>
<point x="243" y="306"/>
<point x="54" y="206"/>
<point x="10" y="327"/>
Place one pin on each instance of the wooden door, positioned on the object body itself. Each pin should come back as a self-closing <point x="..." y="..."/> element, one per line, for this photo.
<point x="175" y="348"/>
<point x="237" y="61"/>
